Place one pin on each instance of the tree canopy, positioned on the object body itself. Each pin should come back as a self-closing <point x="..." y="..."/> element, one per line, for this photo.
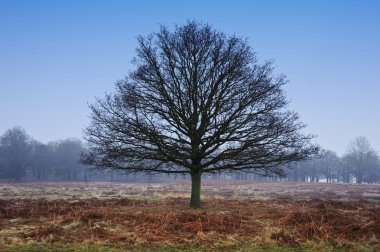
<point x="15" y="153"/>
<point x="198" y="101"/>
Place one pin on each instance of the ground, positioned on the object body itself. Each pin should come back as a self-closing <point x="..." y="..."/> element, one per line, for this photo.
<point x="235" y="216"/>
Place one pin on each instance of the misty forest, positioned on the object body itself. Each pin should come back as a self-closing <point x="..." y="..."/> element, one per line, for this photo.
<point x="196" y="148"/>
<point x="23" y="158"/>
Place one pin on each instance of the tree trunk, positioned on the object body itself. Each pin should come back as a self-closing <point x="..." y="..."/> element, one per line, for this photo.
<point x="195" y="201"/>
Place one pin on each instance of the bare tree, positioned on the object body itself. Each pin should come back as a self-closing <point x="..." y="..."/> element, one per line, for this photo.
<point x="42" y="162"/>
<point x="197" y="102"/>
<point x="66" y="155"/>
<point x="15" y="149"/>
<point x="364" y="161"/>
<point x="329" y="165"/>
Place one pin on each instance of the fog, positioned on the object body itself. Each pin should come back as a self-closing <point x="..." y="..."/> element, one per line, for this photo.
<point x="23" y="158"/>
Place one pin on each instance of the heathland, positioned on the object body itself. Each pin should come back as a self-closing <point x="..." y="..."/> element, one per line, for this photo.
<point x="235" y="216"/>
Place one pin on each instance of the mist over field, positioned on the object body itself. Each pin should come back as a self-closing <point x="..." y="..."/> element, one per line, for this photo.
<point x="189" y="126"/>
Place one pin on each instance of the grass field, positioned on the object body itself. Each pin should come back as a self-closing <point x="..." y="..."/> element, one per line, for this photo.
<point x="236" y="216"/>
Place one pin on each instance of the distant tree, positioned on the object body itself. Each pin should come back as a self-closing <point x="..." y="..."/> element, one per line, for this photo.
<point x="314" y="169"/>
<point x="299" y="171"/>
<point x="66" y="155"/>
<point x="329" y="165"/>
<point x="42" y="160"/>
<point x="15" y="152"/>
<point x="3" y="162"/>
<point x="325" y="165"/>
<point x="346" y="168"/>
<point x="197" y="102"/>
<point x="362" y="159"/>
<point x="372" y="174"/>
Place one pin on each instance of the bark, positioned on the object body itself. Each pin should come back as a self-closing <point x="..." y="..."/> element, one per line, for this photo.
<point x="195" y="201"/>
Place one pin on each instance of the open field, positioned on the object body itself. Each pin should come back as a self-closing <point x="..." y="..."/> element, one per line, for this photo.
<point x="236" y="216"/>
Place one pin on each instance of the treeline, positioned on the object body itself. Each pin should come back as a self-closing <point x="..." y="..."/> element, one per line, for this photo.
<point x="23" y="158"/>
<point x="361" y="164"/>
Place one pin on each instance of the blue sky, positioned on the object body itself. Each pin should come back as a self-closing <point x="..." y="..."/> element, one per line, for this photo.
<point x="56" y="56"/>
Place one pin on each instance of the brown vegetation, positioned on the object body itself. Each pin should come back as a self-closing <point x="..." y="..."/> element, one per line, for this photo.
<point x="131" y="223"/>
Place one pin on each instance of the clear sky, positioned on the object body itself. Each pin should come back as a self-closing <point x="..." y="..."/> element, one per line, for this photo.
<point x="56" y="56"/>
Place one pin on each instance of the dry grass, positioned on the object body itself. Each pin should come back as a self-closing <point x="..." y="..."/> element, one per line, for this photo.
<point x="132" y="223"/>
<point x="223" y="189"/>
